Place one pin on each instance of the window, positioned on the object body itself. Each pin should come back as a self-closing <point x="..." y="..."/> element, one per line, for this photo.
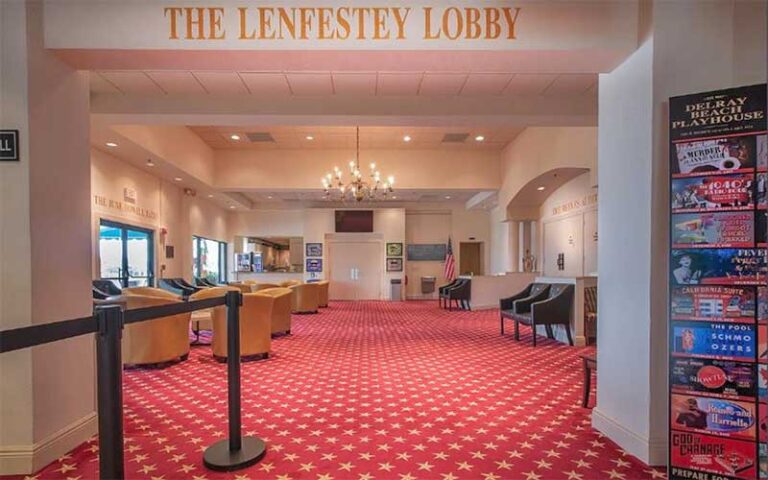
<point x="209" y="259"/>
<point x="126" y="254"/>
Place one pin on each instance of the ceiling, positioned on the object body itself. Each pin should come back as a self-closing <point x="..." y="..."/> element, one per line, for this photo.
<point x="428" y="84"/>
<point x="323" y="137"/>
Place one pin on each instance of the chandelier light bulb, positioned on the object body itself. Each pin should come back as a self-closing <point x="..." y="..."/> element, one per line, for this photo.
<point x="391" y="180"/>
<point x="373" y="166"/>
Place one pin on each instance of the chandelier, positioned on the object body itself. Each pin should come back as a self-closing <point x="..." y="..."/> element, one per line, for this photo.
<point x="357" y="188"/>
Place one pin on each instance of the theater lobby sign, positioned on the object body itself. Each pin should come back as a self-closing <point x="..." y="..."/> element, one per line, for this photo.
<point x="383" y="240"/>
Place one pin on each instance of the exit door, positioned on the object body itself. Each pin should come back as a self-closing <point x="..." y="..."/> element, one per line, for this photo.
<point x="470" y="258"/>
<point x="355" y="270"/>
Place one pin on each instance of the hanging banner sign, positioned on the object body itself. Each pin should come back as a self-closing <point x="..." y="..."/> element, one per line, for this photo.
<point x="718" y="295"/>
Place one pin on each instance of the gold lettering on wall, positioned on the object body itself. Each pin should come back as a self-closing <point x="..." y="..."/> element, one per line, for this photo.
<point x="110" y="204"/>
<point x="574" y="205"/>
<point x="342" y="23"/>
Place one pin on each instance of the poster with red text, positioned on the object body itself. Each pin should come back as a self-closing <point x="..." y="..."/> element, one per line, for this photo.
<point x="723" y="456"/>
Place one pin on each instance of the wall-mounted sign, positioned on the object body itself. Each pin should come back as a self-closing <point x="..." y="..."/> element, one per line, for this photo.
<point x="395" y="264"/>
<point x="121" y="206"/>
<point x="9" y="145"/>
<point x="130" y="195"/>
<point x="314" y="250"/>
<point x="314" y="265"/>
<point x="718" y="272"/>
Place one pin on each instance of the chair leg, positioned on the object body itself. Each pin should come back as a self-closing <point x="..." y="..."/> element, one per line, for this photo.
<point x="517" y="331"/>
<point x="568" y="333"/>
<point x="533" y="332"/>
<point x="501" y="317"/>
<point x="469" y="307"/>
<point x="587" y="385"/>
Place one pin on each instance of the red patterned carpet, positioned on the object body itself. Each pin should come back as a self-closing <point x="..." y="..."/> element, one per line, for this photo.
<point x="373" y="391"/>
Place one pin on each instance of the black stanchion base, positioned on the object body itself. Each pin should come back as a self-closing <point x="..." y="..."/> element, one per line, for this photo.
<point x="218" y="456"/>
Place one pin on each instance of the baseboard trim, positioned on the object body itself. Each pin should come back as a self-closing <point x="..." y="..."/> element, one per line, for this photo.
<point x="27" y="459"/>
<point x="650" y="451"/>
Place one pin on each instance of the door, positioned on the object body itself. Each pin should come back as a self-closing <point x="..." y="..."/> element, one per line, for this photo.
<point x="470" y="258"/>
<point x="126" y="254"/>
<point x="355" y="270"/>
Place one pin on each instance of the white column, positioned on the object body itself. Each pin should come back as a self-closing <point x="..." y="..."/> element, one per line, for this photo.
<point x="633" y="208"/>
<point x="47" y="400"/>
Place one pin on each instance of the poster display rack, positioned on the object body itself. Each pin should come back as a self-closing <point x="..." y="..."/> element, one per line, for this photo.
<point x="718" y="313"/>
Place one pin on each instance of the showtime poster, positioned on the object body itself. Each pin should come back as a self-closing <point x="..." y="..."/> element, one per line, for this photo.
<point x="718" y="275"/>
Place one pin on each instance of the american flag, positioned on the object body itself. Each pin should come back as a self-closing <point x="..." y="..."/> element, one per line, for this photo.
<point x="450" y="263"/>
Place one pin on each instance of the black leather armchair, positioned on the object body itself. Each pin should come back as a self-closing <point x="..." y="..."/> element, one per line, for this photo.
<point x="460" y="293"/>
<point x="532" y="293"/>
<point x="553" y="310"/>
<point x="183" y="283"/>
<point x="443" y="292"/>
<point x="204" y="282"/>
<point x="174" y="286"/>
<point x="107" y="287"/>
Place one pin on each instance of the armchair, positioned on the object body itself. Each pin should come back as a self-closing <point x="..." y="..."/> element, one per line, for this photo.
<point x="290" y="283"/>
<point x="154" y="341"/>
<point x="323" y="286"/>
<point x="305" y="298"/>
<point x="460" y="293"/>
<point x="555" y="309"/>
<point x="281" y="309"/>
<point x="442" y="292"/>
<point x="255" y="328"/>
<point x="531" y="293"/>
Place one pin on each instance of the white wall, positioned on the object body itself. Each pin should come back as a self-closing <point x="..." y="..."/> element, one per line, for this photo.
<point x="692" y="46"/>
<point x="160" y="204"/>
<point x="45" y="269"/>
<point x="567" y="220"/>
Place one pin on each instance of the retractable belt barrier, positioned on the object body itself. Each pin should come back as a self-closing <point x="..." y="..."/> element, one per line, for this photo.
<point x="107" y="322"/>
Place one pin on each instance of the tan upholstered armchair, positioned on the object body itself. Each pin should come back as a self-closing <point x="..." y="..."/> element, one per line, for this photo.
<point x="244" y="287"/>
<point x="153" y="341"/>
<point x="255" y="323"/>
<point x="290" y="283"/>
<point x="306" y="298"/>
<point x="323" y="292"/>
<point x="281" y="309"/>
<point x="258" y="286"/>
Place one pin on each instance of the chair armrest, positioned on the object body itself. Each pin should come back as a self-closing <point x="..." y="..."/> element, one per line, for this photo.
<point x="524" y="304"/>
<point x="556" y="308"/>
<point x="509" y="302"/>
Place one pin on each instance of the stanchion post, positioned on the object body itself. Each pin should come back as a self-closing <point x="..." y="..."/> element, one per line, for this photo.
<point x="109" y="372"/>
<point x="236" y="452"/>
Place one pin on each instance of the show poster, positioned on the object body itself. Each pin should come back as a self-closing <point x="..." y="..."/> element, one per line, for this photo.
<point x="714" y="416"/>
<point x="714" y="303"/>
<point x="718" y="156"/>
<point x="718" y="341"/>
<point x="742" y="266"/>
<point x="713" y="230"/>
<point x="721" y="456"/>
<point x="718" y="267"/>
<point x="718" y="378"/>
<point x="713" y="193"/>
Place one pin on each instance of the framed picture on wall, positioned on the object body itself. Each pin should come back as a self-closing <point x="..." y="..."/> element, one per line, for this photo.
<point x="394" y="264"/>
<point x="314" y="249"/>
<point x="394" y="249"/>
<point x="314" y="265"/>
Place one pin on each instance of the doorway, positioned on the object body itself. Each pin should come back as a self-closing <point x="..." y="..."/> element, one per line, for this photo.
<point x="355" y="270"/>
<point x="471" y="258"/>
<point x="126" y="254"/>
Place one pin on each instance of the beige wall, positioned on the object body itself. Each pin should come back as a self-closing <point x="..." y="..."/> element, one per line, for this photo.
<point x="303" y="169"/>
<point x="535" y="151"/>
<point x="568" y="224"/>
<point x="45" y="268"/>
<point x="161" y="205"/>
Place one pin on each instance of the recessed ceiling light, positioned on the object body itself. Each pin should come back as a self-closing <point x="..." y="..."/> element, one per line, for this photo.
<point x="269" y="197"/>
<point x="541" y="188"/>
<point x="479" y="138"/>
<point x="309" y="137"/>
<point x="231" y="206"/>
<point x="394" y="197"/>
<point x="210" y="195"/>
<point x="447" y="197"/>
<point x="407" y="138"/>
<point x="111" y="144"/>
<point x="178" y="179"/>
<point x="150" y="163"/>
<point x="234" y="136"/>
